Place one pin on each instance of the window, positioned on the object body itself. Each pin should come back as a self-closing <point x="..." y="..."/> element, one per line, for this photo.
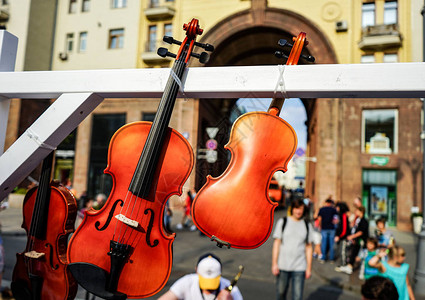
<point x="69" y="42"/>
<point x="380" y="131"/>
<point x="85" y="6"/>
<point x="152" y="38"/>
<point x="368" y="14"/>
<point x="119" y="3"/>
<point x="367" y="59"/>
<point x="116" y="38"/>
<point x="83" y="42"/>
<point x="103" y="128"/>
<point x="153" y="3"/>
<point x="72" y="6"/>
<point x="148" y="116"/>
<point x="390" y="12"/>
<point x="168" y="29"/>
<point x="390" y="58"/>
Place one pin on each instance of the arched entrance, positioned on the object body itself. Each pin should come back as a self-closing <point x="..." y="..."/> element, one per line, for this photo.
<point x="250" y="38"/>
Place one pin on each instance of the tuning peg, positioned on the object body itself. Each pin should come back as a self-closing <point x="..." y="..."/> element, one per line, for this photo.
<point x="207" y="47"/>
<point x="170" y="40"/>
<point x="163" y="52"/>
<point x="283" y="43"/>
<point x="280" y="54"/>
<point x="204" y="57"/>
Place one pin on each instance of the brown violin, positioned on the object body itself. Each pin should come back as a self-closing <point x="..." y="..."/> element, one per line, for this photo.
<point x="122" y="251"/>
<point x="234" y="209"/>
<point x="49" y="213"/>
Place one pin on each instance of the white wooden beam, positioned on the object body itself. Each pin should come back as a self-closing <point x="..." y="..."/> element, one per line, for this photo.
<point x="397" y="80"/>
<point x="47" y="132"/>
<point x="8" y="49"/>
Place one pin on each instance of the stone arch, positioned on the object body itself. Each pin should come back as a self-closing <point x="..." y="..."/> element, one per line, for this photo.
<point x="278" y="19"/>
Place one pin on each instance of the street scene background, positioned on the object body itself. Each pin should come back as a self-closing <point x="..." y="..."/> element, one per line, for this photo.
<point x="257" y="281"/>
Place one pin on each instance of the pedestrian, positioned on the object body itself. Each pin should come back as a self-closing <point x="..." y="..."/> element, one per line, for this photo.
<point x="385" y="237"/>
<point x="88" y="204"/>
<point x="99" y="201"/>
<point x="327" y="219"/>
<point x="206" y="284"/>
<point x="317" y="239"/>
<point x="292" y="252"/>
<point x="168" y="214"/>
<point x="308" y="215"/>
<point x="187" y="218"/>
<point x="367" y="271"/>
<point x="341" y="233"/>
<point x="395" y="269"/>
<point x="379" y="288"/>
<point x="357" y="202"/>
<point x="359" y="234"/>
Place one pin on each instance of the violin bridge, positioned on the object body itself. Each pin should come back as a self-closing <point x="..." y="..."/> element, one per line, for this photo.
<point x="127" y="221"/>
<point x="34" y="254"/>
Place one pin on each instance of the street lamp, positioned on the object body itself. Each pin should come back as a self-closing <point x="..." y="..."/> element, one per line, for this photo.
<point x="419" y="276"/>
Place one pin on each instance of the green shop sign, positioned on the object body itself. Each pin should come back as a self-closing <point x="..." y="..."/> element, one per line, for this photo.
<point x="379" y="160"/>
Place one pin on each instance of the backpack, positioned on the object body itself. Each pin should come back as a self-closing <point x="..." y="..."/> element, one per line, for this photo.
<point x="306" y="226"/>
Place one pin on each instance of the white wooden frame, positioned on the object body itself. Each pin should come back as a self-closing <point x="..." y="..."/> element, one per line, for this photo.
<point x="80" y="92"/>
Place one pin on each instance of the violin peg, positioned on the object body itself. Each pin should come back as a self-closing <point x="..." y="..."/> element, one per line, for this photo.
<point x="163" y="52"/>
<point x="308" y="58"/>
<point x="170" y="40"/>
<point x="204" y="57"/>
<point x="280" y="54"/>
<point x="207" y="47"/>
<point x="283" y="43"/>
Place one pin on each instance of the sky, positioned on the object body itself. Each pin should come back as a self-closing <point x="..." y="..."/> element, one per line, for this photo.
<point x="293" y="112"/>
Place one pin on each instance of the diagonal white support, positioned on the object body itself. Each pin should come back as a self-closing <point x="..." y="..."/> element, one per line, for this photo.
<point x="48" y="131"/>
<point x="8" y="49"/>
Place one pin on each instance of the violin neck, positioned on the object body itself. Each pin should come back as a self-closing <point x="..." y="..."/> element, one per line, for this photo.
<point x="38" y="226"/>
<point x="276" y="106"/>
<point x="143" y="176"/>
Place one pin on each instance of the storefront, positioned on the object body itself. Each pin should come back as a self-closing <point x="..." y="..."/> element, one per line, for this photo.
<point x="379" y="194"/>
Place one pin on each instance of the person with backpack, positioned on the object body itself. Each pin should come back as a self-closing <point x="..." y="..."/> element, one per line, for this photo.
<point x="292" y="253"/>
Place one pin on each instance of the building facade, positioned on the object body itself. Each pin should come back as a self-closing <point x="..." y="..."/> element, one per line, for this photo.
<point x="362" y="147"/>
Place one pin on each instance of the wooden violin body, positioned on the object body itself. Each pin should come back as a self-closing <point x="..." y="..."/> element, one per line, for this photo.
<point x="122" y="250"/>
<point x="46" y="276"/>
<point x="149" y="263"/>
<point x="235" y="207"/>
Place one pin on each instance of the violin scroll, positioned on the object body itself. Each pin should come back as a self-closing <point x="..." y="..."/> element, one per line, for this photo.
<point x="192" y="30"/>
<point x="299" y="43"/>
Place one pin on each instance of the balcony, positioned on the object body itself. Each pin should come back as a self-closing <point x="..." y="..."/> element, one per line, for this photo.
<point x="158" y="10"/>
<point x="380" y="37"/>
<point x="149" y="54"/>
<point x="4" y="14"/>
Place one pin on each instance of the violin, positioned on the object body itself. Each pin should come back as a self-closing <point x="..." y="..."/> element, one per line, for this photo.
<point x="49" y="213"/>
<point x="123" y="251"/>
<point x="234" y="209"/>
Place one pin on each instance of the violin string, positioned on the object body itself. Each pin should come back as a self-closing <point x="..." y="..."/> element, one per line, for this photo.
<point x="175" y="85"/>
<point x="173" y="89"/>
<point x="117" y="223"/>
<point x="122" y="225"/>
<point x="41" y="189"/>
